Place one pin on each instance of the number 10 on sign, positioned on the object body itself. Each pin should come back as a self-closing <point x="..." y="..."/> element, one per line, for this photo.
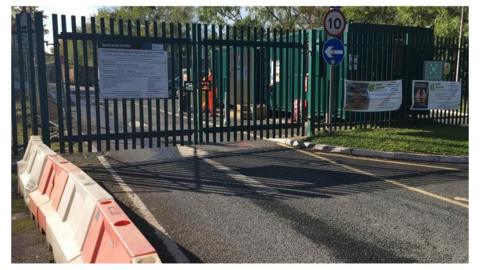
<point x="334" y="22"/>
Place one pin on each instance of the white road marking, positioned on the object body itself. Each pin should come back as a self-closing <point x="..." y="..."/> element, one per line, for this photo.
<point x="460" y="199"/>
<point x="256" y="185"/>
<point x="171" y="245"/>
<point x="187" y="151"/>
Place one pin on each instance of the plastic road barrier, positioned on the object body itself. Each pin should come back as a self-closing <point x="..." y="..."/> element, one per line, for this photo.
<point x="112" y="237"/>
<point x="82" y="222"/>
<point x="45" y="199"/>
<point x="30" y="167"/>
<point x="66" y="230"/>
<point x="32" y="143"/>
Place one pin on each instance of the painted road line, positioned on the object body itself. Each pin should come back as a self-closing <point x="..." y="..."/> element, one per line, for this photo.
<point x="460" y="199"/>
<point x="256" y="185"/>
<point x="188" y="151"/>
<point x="392" y="161"/>
<point x="171" y="245"/>
<point x="393" y="182"/>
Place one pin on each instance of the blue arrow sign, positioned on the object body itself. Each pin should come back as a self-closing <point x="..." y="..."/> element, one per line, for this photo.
<point x="333" y="51"/>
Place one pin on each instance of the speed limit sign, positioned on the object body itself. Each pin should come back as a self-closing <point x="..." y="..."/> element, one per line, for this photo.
<point x="334" y="22"/>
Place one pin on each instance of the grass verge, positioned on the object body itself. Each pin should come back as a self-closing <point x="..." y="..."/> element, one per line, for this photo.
<point x="18" y="205"/>
<point x="426" y="138"/>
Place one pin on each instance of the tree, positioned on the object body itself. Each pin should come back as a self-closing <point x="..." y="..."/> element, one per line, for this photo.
<point x="377" y="15"/>
<point x="444" y="20"/>
<point x="289" y="17"/>
<point x="175" y="14"/>
<point x="272" y="17"/>
<point x="221" y="15"/>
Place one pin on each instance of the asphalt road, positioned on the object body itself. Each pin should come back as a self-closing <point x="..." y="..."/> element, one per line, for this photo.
<point x="256" y="201"/>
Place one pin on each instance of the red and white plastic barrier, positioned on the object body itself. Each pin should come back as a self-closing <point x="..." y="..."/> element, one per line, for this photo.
<point x="82" y="222"/>
<point x="66" y="230"/>
<point x="113" y="237"/>
<point x="44" y="201"/>
<point x="31" y="166"/>
<point x="33" y="142"/>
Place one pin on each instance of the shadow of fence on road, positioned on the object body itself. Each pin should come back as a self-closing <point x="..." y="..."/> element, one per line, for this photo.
<point x="290" y="175"/>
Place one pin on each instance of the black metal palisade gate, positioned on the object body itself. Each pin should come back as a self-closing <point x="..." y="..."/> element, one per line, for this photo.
<point x="241" y="91"/>
<point x="264" y="83"/>
<point x="29" y="97"/>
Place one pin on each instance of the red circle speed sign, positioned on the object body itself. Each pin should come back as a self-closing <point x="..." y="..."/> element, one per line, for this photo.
<point x="334" y="22"/>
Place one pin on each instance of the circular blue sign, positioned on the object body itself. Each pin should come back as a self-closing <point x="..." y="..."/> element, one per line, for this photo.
<point x="333" y="51"/>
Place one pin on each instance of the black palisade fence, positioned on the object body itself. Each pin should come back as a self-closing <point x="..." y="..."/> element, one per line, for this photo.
<point x="225" y="83"/>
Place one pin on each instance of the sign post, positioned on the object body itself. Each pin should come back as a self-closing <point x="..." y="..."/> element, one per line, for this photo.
<point x="333" y="52"/>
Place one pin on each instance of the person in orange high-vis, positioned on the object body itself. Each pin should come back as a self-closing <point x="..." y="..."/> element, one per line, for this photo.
<point x="207" y="86"/>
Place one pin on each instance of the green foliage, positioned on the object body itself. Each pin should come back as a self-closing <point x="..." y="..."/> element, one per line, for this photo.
<point x="376" y="15"/>
<point x="444" y="20"/>
<point x="273" y="17"/>
<point x="140" y="14"/>
<point x="290" y="17"/>
<point x="175" y="14"/>
<point x="222" y="15"/>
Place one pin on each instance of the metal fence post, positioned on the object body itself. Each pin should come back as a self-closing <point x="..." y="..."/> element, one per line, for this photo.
<point x="31" y="71"/>
<point x="42" y="80"/>
<point x="22" y="75"/>
<point x="14" y="115"/>
<point x="309" y="57"/>
<point x="195" y="83"/>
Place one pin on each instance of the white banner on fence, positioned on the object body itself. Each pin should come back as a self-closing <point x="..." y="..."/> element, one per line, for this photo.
<point x="372" y="96"/>
<point x="132" y="70"/>
<point x="427" y="95"/>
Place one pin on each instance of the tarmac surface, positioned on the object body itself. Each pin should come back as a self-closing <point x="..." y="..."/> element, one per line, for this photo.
<point x="256" y="201"/>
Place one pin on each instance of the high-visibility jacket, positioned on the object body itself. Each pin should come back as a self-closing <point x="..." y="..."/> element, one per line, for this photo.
<point x="207" y="86"/>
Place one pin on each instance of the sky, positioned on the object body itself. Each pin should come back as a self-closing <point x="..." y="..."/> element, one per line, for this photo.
<point x="68" y="11"/>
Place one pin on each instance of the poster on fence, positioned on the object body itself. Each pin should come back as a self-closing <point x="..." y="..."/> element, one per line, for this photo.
<point x="427" y="95"/>
<point x="372" y="96"/>
<point x="132" y="70"/>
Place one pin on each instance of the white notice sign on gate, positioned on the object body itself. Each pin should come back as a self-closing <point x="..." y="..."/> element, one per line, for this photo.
<point x="429" y="95"/>
<point x="132" y="70"/>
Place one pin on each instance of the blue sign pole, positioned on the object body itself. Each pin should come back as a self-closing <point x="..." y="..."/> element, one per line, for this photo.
<point x="333" y="53"/>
